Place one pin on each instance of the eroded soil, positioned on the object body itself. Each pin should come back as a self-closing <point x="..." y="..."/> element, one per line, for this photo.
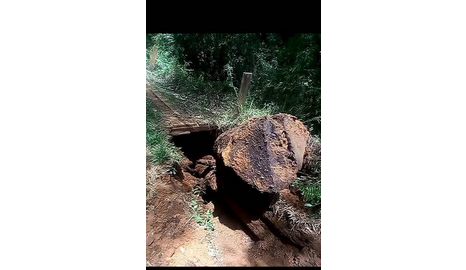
<point x="173" y="238"/>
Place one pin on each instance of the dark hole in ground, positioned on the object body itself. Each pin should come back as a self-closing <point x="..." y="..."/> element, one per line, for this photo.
<point x="226" y="215"/>
<point x="196" y="144"/>
<point x="235" y="198"/>
<point x="244" y="195"/>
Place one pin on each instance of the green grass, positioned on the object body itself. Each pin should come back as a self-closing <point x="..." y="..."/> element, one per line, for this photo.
<point x="286" y="73"/>
<point x="227" y="119"/>
<point x="310" y="191"/>
<point x="161" y="150"/>
<point x="205" y="220"/>
<point x="197" y="96"/>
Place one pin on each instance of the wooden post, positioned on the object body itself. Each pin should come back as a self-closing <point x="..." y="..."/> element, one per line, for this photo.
<point x="243" y="90"/>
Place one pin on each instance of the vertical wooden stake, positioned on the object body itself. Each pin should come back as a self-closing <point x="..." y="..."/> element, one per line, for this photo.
<point x="243" y="90"/>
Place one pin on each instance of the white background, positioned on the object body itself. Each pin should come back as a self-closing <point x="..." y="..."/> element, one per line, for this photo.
<point x="72" y="145"/>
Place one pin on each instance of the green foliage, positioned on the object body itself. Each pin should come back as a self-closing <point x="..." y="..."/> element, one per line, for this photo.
<point x="309" y="184"/>
<point x="205" y="220"/>
<point x="161" y="150"/>
<point x="286" y="69"/>
<point x="227" y="119"/>
<point x="289" y="75"/>
<point x="183" y="86"/>
<point x="309" y="190"/>
<point x="196" y="213"/>
<point x="209" y="221"/>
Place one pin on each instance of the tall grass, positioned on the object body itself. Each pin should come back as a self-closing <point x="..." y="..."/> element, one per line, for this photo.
<point x="215" y="100"/>
<point x="158" y="145"/>
<point x="227" y="118"/>
<point x="286" y="71"/>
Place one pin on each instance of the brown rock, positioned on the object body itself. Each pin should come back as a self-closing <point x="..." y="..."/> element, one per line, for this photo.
<point x="292" y="199"/>
<point x="266" y="152"/>
<point x="189" y="180"/>
<point x="185" y="165"/>
<point x="210" y="206"/>
<point x="211" y="180"/>
<point x="200" y="169"/>
<point x="207" y="160"/>
<point x="204" y="165"/>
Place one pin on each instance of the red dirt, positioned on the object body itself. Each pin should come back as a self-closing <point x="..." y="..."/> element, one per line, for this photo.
<point x="173" y="238"/>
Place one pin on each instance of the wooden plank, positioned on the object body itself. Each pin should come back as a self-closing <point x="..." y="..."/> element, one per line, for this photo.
<point x="180" y="130"/>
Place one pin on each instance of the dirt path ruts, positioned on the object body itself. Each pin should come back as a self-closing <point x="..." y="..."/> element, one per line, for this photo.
<point x="173" y="121"/>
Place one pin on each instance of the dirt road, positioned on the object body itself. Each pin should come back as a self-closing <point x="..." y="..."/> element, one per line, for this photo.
<point x="173" y="238"/>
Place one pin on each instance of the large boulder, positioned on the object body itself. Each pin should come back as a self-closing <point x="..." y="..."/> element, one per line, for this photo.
<point x="266" y="152"/>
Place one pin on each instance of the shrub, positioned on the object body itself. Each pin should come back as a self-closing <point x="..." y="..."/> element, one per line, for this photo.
<point x="205" y="220"/>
